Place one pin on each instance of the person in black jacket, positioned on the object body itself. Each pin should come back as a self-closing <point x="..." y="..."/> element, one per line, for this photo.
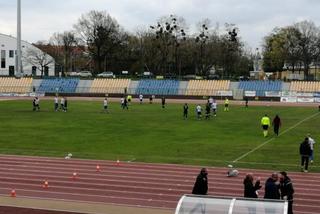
<point x="276" y="124"/>
<point x="250" y="190"/>
<point x="272" y="188"/>
<point x="287" y="191"/>
<point x="201" y="184"/>
<point x="305" y="152"/>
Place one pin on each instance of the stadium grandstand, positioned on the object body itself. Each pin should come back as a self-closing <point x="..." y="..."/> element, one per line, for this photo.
<point x="113" y="86"/>
<point x="63" y="85"/>
<point x="261" y="87"/>
<point x="13" y="85"/>
<point x="161" y="87"/>
<point x="207" y="87"/>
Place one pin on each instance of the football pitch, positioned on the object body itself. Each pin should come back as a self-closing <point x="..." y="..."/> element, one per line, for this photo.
<point x="148" y="133"/>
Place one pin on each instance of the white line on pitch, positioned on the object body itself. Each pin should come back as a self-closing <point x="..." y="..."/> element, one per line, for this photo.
<point x="268" y="141"/>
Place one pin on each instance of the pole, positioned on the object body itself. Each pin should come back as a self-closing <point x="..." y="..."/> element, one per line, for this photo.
<point x="19" y="52"/>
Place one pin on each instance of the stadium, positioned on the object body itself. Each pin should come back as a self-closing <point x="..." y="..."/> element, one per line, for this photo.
<point x="168" y="118"/>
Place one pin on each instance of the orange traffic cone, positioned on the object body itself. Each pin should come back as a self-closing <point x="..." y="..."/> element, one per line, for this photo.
<point x="45" y="185"/>
<point x="13" y="193"/>
<point x="74" y="176"/>
<point x="98" y="168"/>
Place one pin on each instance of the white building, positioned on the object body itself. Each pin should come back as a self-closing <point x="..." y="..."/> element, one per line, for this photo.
<point x="34" y="61"/>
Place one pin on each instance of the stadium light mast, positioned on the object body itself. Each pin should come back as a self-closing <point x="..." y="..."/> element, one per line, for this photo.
<point x="19" y="51"/>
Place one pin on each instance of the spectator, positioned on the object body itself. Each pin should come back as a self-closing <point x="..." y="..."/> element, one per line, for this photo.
<point x="201" y="184"/>
<point x="276" y="123"/>
<point x="251" y="188"/>
<point x="305" y="152"/>
<point x="286" y="189"/>
<point x="311" y="142"/>
<point x="272" y="187"/>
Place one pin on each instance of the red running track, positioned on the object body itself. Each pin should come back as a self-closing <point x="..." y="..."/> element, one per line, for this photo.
<point x="133" y="184"/>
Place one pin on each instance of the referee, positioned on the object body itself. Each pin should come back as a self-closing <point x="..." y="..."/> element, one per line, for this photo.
<point x="265" y="122"/>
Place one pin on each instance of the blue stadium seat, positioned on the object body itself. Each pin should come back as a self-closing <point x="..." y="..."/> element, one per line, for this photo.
<point x="62" y="85"/>
<point x="158" y="87"/>
<point x="260" y="86"/>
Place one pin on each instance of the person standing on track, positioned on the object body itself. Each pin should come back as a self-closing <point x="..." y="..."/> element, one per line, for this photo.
<point x="201" y="184"/>
<point x="251" y="189"/>
<point x="287" y="191"/>
<point x="185" y="111"/>
<point x="311" y="142"/>
<point x="276" y="123"/>
<point x="305" y="152"/>
<point x="272" y="187"/>
<point x="265" y="122"/>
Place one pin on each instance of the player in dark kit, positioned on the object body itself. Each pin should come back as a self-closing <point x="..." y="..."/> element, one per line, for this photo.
<point x="208" y="111"/>
<point x="163" y="102"/>
<point x="185" y="111"/>
<point x="276" y="124"/>
<point x="246" y="101"/>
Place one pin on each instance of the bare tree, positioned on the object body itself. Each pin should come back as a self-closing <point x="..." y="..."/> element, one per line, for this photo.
<point x="65" y="43"/>
<point x="102" y="35"/>
<point x="40" y="59"/>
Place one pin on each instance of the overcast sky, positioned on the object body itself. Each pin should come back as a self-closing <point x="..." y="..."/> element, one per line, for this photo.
<point x="255" y="18"/>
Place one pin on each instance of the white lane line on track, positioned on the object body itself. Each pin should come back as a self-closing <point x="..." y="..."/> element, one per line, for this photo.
<point x="268" y="141"/>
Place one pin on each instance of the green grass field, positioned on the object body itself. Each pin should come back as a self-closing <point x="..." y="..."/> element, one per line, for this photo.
<point x="148" y="133"/>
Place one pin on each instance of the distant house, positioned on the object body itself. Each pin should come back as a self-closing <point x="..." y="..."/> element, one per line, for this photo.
<point x="34" y="61"/>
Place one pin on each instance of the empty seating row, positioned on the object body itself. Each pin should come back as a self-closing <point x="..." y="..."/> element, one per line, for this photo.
<point x="303" y="86"/>
<point x="14" y="85"/>
<point x="62" y="85"/>
<point x="158" y="87"/>
<point x="260" y="86"/>
<point x="112" y="86"/>
<point x="207" y="87"/>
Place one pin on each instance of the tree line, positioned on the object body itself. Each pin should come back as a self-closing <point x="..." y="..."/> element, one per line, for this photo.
<point x="295" y="48"/>
<point x="97" y="42"/>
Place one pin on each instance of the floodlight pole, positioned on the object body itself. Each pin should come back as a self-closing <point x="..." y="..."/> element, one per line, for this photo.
<point x="19" y="51"/>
